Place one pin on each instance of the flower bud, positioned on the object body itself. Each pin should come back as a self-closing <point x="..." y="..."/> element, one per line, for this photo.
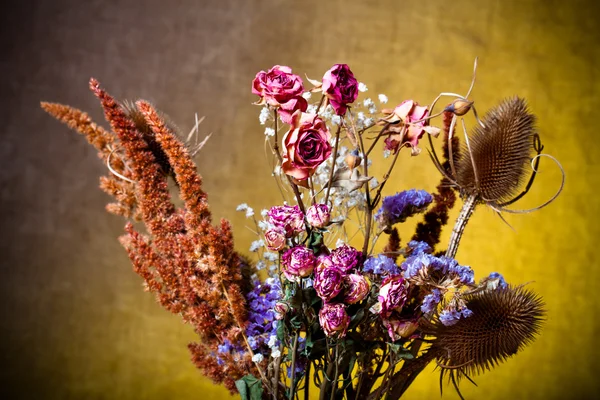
<point x="398" y="329"/>
<point x="275" y="239"/>
<point x="459" y="107"/>
<point x="318" y="215"/>
<point x="353" y="159"/>
<point x="280" y="310"/>
<point x="357" y="288"/>
<point x="334" y="320"/>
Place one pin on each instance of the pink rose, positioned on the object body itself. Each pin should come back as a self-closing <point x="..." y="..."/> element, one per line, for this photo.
<point x="288" y="109"/>
<point x="408" y="112"/>
<point x="341" y="87"/>
<point x="277" y="86"/>
<point x="288" y="219"/>
<point x="392" y="295"/>
<point x="305" y="146"/>
<point x="334" y="320"/>
<point x="280" y="310"/>
<point x="275" y="239"/>
<point x="357" y="288"/>
<point x="328" y="282"/>
<point x="318" y="215"/>
<point x="298" y="262"/>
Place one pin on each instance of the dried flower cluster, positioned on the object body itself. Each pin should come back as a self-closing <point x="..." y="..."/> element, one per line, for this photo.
<point x="357" y="322"/>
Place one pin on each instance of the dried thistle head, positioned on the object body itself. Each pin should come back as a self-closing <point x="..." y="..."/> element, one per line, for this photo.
<point x="504" y="321"/>
<point x="496" y="165"/>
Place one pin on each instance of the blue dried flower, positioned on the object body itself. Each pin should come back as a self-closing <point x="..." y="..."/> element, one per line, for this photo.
<point x="452" y="316"/>
<point x="261" y="315"/>
<point x="417" y="247"/>
<point x="431" y="301"/>
<point x="380" y="265"/>
<point x="399" y="207"/>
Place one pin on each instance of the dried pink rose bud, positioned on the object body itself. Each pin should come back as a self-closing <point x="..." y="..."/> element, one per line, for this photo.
<point x="298" y="262"/>
<point x="275" y="239"/>
<point x="287" y="218"/>
<point x="334" y="320"/>
<point x="341" y="87"/>
<point x="328" y="282"/>
<point x="392" y="295"/>
<point x="346" y="257"/>
<point x="280" y="310"/>
<point x="318" y="215"/>
<point x="357" y="288"/>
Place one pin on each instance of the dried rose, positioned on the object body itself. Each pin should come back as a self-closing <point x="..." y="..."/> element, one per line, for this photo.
<point x="408" y="112"/>
<point x="275" y="239"/>
<point x="392" y="295"/>
<point x="277" y="86"/>
<point x="334" y="320"/>
<point x="341" y="87"/>
<point x="328" y="282"/>
<point x="287" y="110"/>
<point x="298" y="262"/>
<point x="346" y="257"/>
<point x="280" y="310"/>
<point x="357" y="287"/>
<point x="398" y="328"/>
<point x="318" y="215"/>
<point x="287" y="218"/>
<point x="305" y="146"/>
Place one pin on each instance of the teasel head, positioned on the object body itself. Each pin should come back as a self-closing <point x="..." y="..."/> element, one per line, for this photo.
<point x="504" y="321"/>
<point x="492" y="167"/>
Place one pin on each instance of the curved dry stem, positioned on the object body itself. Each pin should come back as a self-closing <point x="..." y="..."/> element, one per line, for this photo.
<point x="560" y="189"/>
<point x="112" y="171"/>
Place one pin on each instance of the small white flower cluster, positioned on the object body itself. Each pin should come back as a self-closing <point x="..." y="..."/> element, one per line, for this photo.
<point x="362" y="121"/>
<point x="244" y="207"/>
<point x="269" y="132"/>
<point x="256" y="245"/>
<point x="272" y="343"/>
<point x="362" y="87"/>
<point x="370" y="104"/>
<point x="264" y="115"/>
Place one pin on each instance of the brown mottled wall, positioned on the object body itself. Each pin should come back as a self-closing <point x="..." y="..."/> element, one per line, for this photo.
<point x="74" y="320"/>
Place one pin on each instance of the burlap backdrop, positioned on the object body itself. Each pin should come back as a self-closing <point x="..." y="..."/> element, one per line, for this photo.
<point x="75" y="321"/>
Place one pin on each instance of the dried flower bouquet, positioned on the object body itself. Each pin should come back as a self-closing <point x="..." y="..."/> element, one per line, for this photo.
<point x="313" y="311"/>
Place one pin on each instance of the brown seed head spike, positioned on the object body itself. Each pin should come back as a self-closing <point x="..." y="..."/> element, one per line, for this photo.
<point x="501" y="152"/>
<point x="504" y="321"/>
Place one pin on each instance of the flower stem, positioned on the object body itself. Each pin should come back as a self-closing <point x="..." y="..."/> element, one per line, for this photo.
<point x="293" y="382"/>
<point x="278" y="154"/>
<point x="335" y="151"/>
<point x="461" y="222"/>
<point x="388" y="173"/>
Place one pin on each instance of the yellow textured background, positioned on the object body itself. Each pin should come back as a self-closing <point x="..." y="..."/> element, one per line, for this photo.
<point x="75" y="322"/>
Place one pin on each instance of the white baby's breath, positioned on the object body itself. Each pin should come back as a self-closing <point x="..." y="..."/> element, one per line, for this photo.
<point x="336" y="120"/>
<point x="307" y="95"/>
<point x="383" y="98"/>
<point x="257" y="244"/>
<point x="362" y="87"/>
<point x="311" y="109"/>
<point x="269" y="132"/>
<point x="257" y="358"/>
<point x="242" y="207"/>
<point x="368" y="102"/>
<point x="249" y="212"/>
<point x="264" y="115"/>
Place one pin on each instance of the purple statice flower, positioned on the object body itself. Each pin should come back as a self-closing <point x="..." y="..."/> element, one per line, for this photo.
<point x="346" y="257"/>
<point x="495" y="280"/>
<point x="424" y="264"/>
<point x="431" y="301"/>
<point x="399" y="207"/>
<point x="381" y="265"/>
<point x="452" y="316"/>
<point x="416" y="247"/>
<point x="261" y="314"/>
<point x="463" y="273"/>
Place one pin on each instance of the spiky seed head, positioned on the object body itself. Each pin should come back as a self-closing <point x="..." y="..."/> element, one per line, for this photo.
<point x="504" y="321"/>
<point x="138" y="119"/>
<point x="501" y="152"/>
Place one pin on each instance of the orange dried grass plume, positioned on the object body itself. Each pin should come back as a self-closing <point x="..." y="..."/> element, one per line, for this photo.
<point x="189" y="264"/>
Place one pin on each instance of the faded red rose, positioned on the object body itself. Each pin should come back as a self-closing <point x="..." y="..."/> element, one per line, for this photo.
<point x="277" y="86"/>
<point x="305" y="146"/>
<point x="341" y="87"/>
